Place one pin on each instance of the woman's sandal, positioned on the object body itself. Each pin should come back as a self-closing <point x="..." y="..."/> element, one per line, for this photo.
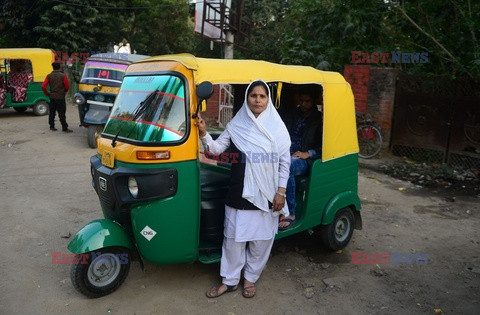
<point x="290" y="222"/>
<point x="249" y="292"/>
<point x="213" y="292"/>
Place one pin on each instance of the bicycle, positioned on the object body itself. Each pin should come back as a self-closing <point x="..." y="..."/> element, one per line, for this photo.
<point x="370" y="139"/>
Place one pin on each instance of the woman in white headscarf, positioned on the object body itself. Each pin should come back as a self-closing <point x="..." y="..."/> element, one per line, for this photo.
<point x="258" y="183"/>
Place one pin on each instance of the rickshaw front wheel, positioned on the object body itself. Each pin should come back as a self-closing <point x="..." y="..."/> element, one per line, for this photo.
<point x="337" y="234"/>
<point x="94" y="132"/>
<point x="102" y="273"/>
<point x="40" y="109"/>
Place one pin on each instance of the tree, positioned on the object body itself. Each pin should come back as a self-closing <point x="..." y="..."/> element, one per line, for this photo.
<point x="70" y="28"/>
<point x="163" y="29"/>
<point x="18" y="17"/>
<point x="324" y="33"/>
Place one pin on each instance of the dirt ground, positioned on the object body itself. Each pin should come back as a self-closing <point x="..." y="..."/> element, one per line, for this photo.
<point x="46" y="193"/>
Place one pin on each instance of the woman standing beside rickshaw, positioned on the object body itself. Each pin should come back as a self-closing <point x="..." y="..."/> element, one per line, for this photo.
<point x="257" y="188"/>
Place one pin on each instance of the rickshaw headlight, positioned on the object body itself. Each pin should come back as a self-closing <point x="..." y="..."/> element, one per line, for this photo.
<point x="133" y="186"/>
<point x="79" y="99"/>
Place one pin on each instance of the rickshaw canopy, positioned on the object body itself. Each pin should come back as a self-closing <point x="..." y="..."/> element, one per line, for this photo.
<point x="117" y="57"/>
<point x="41" y="59"/>
<point x="339" y="131"/>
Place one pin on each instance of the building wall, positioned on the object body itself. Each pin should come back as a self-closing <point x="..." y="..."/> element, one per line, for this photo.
<point x="358" y="77"/>
<point x="374" y="92"/>
<point x="381" y="99"/>
<point x="211" y="114"/>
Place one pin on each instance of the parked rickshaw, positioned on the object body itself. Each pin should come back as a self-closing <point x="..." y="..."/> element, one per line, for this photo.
<point x="162" y="199"/>
<point x="22" y="72"/>
<point x="98" y="87"/>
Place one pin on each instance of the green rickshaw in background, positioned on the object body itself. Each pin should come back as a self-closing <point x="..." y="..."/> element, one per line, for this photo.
<point x="22" y="72"/>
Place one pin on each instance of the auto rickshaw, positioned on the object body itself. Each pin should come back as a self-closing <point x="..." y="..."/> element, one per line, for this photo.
<point x="163" y="199"/>
<point x="22" y="72"/>
<point x="97" y="89"/>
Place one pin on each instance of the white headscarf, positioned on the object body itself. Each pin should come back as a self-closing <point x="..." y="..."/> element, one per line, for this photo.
<point x="262" y="137"/>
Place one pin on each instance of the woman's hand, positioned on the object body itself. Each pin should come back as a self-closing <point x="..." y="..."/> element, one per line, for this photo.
<point x="301" y="155"/>
<point x="279" y="199"/>
<point x="202" y="126"/>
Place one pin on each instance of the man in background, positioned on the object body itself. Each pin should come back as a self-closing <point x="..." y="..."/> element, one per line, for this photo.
<point x="59" y="86"/>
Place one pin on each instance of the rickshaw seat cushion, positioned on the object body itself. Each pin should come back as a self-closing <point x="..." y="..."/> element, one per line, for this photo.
<point x="18" y="83"/>
<point x="19" y="79"/>
<point x="3" y="97"/>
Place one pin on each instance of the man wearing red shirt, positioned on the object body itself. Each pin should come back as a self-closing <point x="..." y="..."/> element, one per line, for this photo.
<point x="59" y="86"/>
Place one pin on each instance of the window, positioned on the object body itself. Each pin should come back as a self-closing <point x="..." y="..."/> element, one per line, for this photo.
<point x="149" y="109"/>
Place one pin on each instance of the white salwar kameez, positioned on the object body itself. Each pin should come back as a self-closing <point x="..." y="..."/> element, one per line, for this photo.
<point x="257" y="227"/>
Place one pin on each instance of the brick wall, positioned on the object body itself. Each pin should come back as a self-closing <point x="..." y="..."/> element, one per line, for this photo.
<point x="374" y="92"/>
<point x="381" y="99"/>
<point x="211" y="114"/>
<point x="358" y="77"/>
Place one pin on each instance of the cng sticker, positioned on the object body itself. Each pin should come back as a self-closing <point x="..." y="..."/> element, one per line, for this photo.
<point x="148" y="233"/>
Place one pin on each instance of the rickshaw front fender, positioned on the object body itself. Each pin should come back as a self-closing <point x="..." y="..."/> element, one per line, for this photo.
<point x="343" y="200"/>
<point x="99" y="234"/>
<point x="97" y="114"/>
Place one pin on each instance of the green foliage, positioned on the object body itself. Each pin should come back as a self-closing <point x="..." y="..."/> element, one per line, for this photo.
<point x="69" y="28"/>
<point x="323" y="33"/>
<point x="164" y="29"/>
<point x="319" y="33"/>
<point x="17" y="19"/>
<point x="150" y="26"/>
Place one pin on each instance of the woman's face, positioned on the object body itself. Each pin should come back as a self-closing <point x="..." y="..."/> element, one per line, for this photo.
<point x="257" y="100"/>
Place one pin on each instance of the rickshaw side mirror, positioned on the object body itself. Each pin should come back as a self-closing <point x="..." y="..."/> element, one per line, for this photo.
<point x="204" y="91"/>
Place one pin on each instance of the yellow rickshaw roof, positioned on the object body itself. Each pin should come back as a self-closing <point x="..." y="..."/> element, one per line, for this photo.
<point x="235" y="71"/>
<point x="41" y="59"/>
<point x="340" y="135"/>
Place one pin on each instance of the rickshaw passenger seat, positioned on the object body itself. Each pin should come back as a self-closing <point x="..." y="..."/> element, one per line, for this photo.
<point x="18" y="82"/>
<point x="302" y="182"/>
<point x="214" y="188"/>
<point x="3" y="91"/>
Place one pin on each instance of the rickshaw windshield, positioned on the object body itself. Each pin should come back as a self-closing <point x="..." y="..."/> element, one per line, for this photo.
<point x="149" y="109"/>
<point x="110" y="74"/>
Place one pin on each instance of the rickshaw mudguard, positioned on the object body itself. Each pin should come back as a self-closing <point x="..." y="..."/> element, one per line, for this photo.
<point x="97" y="115"/>
<point x="99" y="234"/>
<point x="340" y="201"/>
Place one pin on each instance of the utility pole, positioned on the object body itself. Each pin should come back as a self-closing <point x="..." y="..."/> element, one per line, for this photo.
<point x="229" y="38"/>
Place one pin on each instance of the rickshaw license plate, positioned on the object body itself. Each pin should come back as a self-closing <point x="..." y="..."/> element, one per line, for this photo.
<point x="108" y="159"/>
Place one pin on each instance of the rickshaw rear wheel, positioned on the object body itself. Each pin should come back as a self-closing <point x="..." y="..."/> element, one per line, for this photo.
<point x="20" y="109"/>
<point x="104" y="272"/>
<point x="40" y="109"/>
<point x="94" y="132"/>
<point x="337" y="234"/>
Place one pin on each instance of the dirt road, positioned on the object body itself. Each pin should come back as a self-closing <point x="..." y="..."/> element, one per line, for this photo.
<point x="45" y="193"/>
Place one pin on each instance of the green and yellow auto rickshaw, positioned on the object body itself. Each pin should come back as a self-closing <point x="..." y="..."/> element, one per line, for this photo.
<point x="22" y="72"/>
<point x="97" y="89"/>
<point x="163" y="199"/>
